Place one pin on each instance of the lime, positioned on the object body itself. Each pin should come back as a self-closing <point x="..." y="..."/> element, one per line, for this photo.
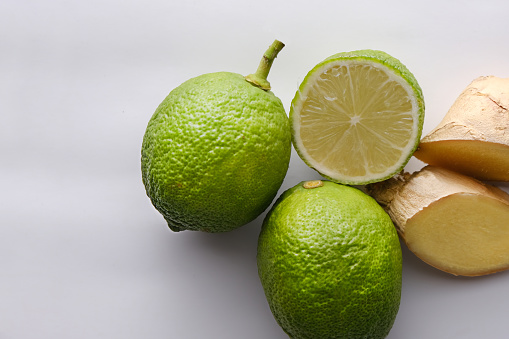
<point x="216" y="150"/>
<point x="357" y="117"/>
<point x="329" y="260"/>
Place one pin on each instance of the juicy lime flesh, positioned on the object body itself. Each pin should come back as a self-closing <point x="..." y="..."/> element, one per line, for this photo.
<point x="215" y="153"/>
<point x="329" y="260"/>
<point x="357" y="121"/>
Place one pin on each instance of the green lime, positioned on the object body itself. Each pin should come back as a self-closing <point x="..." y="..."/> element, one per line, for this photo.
<point x="216" y="150"/>
<point x="357" y="117"/>
<point x="329" y="260"/>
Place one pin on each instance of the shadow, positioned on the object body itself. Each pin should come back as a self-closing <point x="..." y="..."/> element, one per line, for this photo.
<point x="220" y="270"/>
<point x="414" y="266"/>
<point x="239" y="242"/>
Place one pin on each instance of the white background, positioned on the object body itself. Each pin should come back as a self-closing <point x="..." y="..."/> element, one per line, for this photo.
<point x="83" y="254"/>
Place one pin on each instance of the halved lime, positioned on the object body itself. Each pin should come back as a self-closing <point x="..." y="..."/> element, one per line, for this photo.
<point x="357" y="117"/>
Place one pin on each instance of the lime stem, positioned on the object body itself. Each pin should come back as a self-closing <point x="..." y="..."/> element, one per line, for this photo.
<point x="259" y="78"/>
<point x="312" y="184"/>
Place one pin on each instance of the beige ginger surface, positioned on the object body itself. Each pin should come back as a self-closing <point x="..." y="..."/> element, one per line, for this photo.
<point x="473" y="137"/>
<point x="453" y="222"/>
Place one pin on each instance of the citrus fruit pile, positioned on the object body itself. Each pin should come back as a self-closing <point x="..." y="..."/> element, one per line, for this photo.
<point x="216" y="152"/>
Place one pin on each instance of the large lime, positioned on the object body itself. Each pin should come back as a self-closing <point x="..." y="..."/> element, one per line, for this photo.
<point x="216" y="150"/>
<point x="329" y="260"/>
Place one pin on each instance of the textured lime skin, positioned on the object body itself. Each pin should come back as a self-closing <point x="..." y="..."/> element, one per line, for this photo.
<point x="329" y="260"/>
<point x="369" y="55"/>
<point x="215" y="153"/>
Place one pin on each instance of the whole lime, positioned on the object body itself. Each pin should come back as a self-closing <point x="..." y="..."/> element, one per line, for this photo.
<point x="329" y="260"/>
<point x="216" y="150"/>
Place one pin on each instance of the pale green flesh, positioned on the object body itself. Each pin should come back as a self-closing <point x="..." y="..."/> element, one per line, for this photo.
<point x="357" y="120"/>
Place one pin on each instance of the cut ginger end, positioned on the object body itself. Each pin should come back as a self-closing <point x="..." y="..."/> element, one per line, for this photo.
<point x="473" y="137"/>
<point x="451" y="221"/>
<point x="479" y="159"/>
<point x="463" y="234"/>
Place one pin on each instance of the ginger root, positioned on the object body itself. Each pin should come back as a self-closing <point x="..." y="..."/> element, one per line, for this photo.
<point x="451" y="221"/>
<point x="473" y="137"/>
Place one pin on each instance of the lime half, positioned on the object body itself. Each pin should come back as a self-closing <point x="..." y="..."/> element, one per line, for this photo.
<point x="357" y="117"/>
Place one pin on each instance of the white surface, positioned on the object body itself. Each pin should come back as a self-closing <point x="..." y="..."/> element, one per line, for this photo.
<point x="83" y="254"/>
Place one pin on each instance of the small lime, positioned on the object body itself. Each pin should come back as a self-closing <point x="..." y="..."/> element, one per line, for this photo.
<point x="329" y="260"/>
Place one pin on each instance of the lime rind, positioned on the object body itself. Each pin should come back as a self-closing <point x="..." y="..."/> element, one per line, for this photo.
<point x="393" y="67"/>
<point x="215" y="153"/>
<point x="329" y="261"/>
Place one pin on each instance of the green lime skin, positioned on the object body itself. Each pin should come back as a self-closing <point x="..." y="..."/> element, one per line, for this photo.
<point x="215" y="153"/>
<point x="329" y="260"/>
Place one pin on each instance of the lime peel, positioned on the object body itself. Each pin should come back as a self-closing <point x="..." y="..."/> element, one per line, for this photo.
<point x="330" y="264"/>
<point x="216" y="151"/>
